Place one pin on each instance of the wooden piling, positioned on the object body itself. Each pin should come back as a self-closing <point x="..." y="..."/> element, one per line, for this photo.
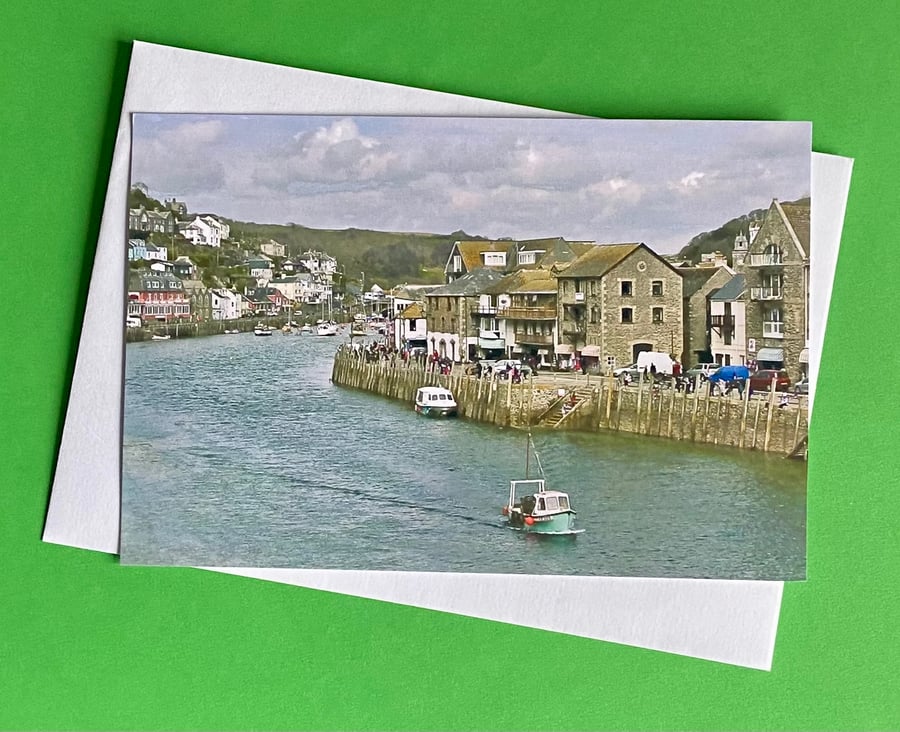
<point x="746" y="405"/>
<point x="769" y="416"/>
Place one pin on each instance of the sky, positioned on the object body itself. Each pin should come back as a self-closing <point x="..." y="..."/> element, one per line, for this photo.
<point x="657" y="182"/>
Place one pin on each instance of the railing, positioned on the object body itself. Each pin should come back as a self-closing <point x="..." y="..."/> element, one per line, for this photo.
<point x="525" y="313"/>
<point x="765" y="260"/>
<point x="773" y="329"/>
<point x="484" y="310"/>
<point x="722" y="321"/>
<point x="766" y="293"/>
<point x="535" y="339"/>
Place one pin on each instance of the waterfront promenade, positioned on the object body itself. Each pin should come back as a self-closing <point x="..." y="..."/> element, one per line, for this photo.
<point x="765" y="421"/>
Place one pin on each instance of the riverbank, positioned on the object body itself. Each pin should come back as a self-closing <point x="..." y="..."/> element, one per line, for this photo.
<point x="195" y="330"/>
<point x="758" y="423"/>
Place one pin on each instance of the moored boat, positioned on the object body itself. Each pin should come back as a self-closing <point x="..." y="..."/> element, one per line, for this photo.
<point x="262" y="329"/>
<point x="160" y="337"/>
<point x="435" y="401"/>
<point x="327" y="329"/>
<point x="538" y="510"/>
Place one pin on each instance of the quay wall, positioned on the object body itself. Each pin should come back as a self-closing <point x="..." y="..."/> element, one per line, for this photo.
<point x="757" y="423"/>
<point x="194" y="330"/>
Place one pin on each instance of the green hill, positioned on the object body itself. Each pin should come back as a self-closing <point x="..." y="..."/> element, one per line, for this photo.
<point x="722" y="239"/>
<point x="387" y="258"/>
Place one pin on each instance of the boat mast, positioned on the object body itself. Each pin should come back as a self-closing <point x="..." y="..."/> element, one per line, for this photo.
<point x="527" y="454"/>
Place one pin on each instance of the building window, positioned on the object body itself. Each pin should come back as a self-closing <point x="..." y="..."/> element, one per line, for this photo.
<point x="527" y="257"/>
<point x="627" y="289"/>
<point x="657" y="316"/>
<point x="656" y="288"/>
<point x="593" y="287"/>
<point x="773" y="325"/>
<point x="627" y="315"/>
<point x="594" y="314"/>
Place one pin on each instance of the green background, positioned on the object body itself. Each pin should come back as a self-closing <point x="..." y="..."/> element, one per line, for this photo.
<point x="87" y="644"/>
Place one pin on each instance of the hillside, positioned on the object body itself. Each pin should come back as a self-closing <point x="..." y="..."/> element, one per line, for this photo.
<point x="722" y="239"/>
<point x="386" y="257"/>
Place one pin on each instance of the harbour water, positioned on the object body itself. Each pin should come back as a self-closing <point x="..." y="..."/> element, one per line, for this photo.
<point x="239" y="451"/>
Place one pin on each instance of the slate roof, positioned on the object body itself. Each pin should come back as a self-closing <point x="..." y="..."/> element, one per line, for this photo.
<point x="524" y="280"/>
<point x="693" y="278"/>
<point x="797" y="215"/>
<point x="472" y="283"/>
<point x="731" y="290"/>
<point x="597" y="260"/>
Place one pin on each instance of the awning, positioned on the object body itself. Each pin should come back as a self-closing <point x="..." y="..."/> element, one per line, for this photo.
<point x="564" y="348"/>
<point x="770" y="354"/>
<point x="592" y="351"/>
<point x="804" y="356"/>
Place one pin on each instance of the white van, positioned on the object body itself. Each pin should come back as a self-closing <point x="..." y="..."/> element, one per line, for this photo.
<point x="661" y="361"/>
<point x="132" y="321"/>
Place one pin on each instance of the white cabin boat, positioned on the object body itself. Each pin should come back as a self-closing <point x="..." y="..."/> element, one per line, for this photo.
<point x="262" y="329"/>
<point x="327" y="329"/>
<point x="435" y="401"/>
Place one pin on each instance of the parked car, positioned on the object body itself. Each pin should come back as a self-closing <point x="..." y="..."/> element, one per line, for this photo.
<point x="762" y="380"/>
<point x="631" y="369"/>
<point x="703" y="370"/>
<point x="802" y="386"/>
<point x="500" y="367"/>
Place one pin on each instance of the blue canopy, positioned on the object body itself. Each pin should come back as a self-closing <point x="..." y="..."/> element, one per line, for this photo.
<point x="730" y="373"/>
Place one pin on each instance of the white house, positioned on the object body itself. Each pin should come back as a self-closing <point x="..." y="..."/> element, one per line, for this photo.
<point x="319" y="263"/>
<point x="728" y="323"/>
<point x="223" y="228"/>
<point x="158" y="253"/>
<point x="200" y="232"/>
<point x="272" y="248"/>
<point x="226" y="305"/>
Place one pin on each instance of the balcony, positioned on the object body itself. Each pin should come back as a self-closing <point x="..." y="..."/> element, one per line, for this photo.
<point x="534" y="339"/>
<point x="484" y="310"/>
<point x="722" y="322"/>
<point x="765" y="260"/>
<point x="766" y="293"/>
<point x="773" y="329"/>
<point x="534" y="313"/>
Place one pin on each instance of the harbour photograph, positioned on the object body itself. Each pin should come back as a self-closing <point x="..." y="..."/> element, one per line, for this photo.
<point x="496" y="345"/>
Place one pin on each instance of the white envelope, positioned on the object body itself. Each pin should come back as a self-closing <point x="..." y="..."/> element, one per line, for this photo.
<point x="723" y="620"/>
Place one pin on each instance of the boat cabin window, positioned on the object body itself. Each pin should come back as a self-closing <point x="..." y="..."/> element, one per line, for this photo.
<point x="527" y="504"/>
<point x="552" y="503"/>
<point x="564" y="503"/>
<point x="541" y="505"/>
<point x="442" y="396"/>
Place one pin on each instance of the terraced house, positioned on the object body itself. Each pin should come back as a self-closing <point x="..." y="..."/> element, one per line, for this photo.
<point x="777" y="277"/>
<point x="615" y="301"/>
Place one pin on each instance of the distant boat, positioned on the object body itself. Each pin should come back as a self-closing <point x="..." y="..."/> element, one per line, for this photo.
<point x="262" y="329"/>
<point x="160" y="337"/>
<point x="231" y="332"/>
<point x="538" y="510"/>
<point x="435" y="401"/>
<point x="327" y="329"/>
<point x="306" y="328"/>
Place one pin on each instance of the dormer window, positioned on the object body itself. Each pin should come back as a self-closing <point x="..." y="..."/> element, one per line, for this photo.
<point x="495" y="259"/>
<point x="529" y="257"/>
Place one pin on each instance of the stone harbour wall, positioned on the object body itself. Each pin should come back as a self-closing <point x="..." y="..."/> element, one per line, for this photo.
<point x="757" y="423"/>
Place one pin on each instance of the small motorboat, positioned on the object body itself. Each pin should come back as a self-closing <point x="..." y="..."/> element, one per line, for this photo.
<point x="435" y="401"/>
<point x="160" y="337"/>
<point x="234" y="331"/>
<point x="327" y="329"/>
<point x="262" y="329"/>
<point x="538" y="510"/>
<point x="305" y="328"/>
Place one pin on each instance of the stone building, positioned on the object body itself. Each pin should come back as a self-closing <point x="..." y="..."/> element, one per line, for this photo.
<point x="698" y="284"/>
<point x="615" y="301"/>
<point x="454" y="314"/>
<point x="777" y="275"/>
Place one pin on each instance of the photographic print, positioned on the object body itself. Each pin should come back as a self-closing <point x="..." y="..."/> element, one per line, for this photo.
<point x="539" y="346"/>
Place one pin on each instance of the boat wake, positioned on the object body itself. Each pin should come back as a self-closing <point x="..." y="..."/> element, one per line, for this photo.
<point x="397" y="501"/>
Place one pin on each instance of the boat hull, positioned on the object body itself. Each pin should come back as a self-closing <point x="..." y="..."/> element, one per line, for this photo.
<point x="557" y="523"/>
<point x="435" y="411"/>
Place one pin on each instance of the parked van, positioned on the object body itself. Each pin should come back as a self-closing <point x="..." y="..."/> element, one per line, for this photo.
<point x="132" y="321"/>
<point x="661" y="361"/>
